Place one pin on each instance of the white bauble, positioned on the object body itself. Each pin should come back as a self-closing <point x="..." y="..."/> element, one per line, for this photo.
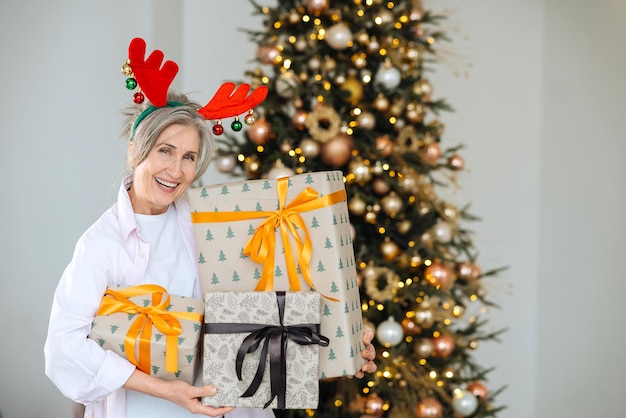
<point x="464" y="403"/>
<point x="286" y="85"/>
<point x="338" y="36"/>
<point x="389" y="332"/>
<point x="388" y="77"/>
<point x="225" y="163"/>
<point x="442" y="232"/>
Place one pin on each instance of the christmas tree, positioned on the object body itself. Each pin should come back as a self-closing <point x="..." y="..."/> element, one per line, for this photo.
<point x="348" y="90"/>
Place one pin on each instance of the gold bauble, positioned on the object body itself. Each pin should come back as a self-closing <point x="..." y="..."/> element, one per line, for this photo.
<point x="450" y="212"/>
<point x="370" y="217"/>
<point x="389" y="249"/>
<point x="359" y="172"/>
<point x="252" y="166"/>
<point x="397" y="107"/>
<point x="424" y="348"/>
<point x="310" y="148"/>
<point x="294" y="17"/>
<point x="381" y="103"/>
<point x="410" y="182"/>
<point x="422" y="88"/>
<point x="366" y="120"/>
<point x="359" y="60"/>
<point x="392" y="204"/>
<point x="329" y="63"/>
<point x="355" y="89"/>
<point x="415" y="261"/>
<point x="127" y="70"/>
<point x="424" y="317"/>
<point x="357" y="206"/>
<point x="363" y="37"/>
<point x="414" y="112"/>
<point x="404" y="226"/>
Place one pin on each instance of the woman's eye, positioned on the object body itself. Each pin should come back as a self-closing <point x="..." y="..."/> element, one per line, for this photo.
<point x="190" y="157"/>
<point x="164" y="150"/>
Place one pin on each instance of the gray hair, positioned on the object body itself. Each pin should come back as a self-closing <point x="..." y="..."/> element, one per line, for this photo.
<point x="145" y="134"/>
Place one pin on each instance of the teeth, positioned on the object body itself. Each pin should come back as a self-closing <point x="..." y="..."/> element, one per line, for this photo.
<point x="166" y="183"/>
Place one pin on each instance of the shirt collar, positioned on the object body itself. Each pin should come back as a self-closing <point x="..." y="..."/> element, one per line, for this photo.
<point x="128" y="223"/>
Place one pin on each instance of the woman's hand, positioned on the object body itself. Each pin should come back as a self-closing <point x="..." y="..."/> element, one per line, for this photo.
<point x="190" y="398"/>
<point x="369" y="354"/>
<point x="181" y="393"/>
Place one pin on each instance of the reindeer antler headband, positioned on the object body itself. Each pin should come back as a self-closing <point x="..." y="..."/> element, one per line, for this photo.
<point x="154" y="80"/>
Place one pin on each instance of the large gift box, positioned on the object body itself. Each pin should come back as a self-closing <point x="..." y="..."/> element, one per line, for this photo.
<point x="289" y="234"/>
<point x="158" y="332"/>
<point x="261" y="349"/>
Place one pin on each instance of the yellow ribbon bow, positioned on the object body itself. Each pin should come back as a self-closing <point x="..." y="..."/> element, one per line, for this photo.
<point x="287" y="218"/>
<point x="156" y="314"/>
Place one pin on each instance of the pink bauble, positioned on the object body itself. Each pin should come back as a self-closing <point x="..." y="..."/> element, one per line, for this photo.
<point x="337" y="151"/>
<point x="444" y="345"/>
<point x="316" y="6"/>
<point x="432" y="153"/>
<point x="374" y="405"/>
<point x="439" y="274"/>
<point x="260" y="132"/>
<point x="299" y="119"/>
<point x="478" y="389"/>
<point x="428" y="408"/>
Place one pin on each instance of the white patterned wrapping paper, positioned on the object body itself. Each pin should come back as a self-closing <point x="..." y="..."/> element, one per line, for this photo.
<point x="223" y="266"/>
<point x="220" y="350"/>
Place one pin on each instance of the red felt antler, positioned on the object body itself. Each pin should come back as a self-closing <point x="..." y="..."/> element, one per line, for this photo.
<point x="228" y="102"/>
<point x="153" y="79"/>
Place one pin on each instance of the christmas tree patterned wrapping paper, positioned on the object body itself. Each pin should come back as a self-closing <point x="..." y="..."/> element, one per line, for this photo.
<point x="222" y="243"/>
<point x="281" y="369"/>
<point x="149" y="314"/>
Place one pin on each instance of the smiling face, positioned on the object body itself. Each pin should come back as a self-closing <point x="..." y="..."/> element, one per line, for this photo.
<point x="167" y="171"/>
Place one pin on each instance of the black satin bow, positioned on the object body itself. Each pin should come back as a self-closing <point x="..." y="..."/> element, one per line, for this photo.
<point x="274" y="339"/>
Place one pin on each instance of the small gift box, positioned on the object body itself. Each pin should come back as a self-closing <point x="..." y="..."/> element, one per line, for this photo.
<point x="261" y="349"/>
<point x="157" y="332"/>
<point x="288" y="234"/>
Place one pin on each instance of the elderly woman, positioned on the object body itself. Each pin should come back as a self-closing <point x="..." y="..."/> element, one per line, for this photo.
<point x="146" y="237"/>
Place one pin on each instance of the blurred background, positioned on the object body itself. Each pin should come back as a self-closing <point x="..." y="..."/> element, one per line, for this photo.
<point x="539" y="98"/>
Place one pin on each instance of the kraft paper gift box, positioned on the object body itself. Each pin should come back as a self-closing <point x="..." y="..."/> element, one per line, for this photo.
<point x="239" y="249"/>
<point x="261" y="349"/>
<point x="164" y="330"/>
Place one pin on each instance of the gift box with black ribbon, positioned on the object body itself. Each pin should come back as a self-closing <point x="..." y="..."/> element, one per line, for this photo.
<point x="158" y="332"/>
<point x="261" y="349"/>
<point x="287" y="234"/>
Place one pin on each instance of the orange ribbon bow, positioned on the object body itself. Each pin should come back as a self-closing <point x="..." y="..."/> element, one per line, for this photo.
<point x="156" y="314"/>
<point x="287" y="218"/>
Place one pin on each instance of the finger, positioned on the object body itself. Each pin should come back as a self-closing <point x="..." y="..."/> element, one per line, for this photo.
<point x="214" y="412"/>
<point x="201" y="391"/>
<point x="368" y="335"/>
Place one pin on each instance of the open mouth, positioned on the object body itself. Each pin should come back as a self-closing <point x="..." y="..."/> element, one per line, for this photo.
<point x="167" y="184"/>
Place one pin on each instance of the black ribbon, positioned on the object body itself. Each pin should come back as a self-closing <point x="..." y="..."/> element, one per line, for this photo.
<point x="274" y="339"/>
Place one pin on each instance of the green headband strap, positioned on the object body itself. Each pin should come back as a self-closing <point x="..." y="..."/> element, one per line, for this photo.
<point x="148" y="111"/>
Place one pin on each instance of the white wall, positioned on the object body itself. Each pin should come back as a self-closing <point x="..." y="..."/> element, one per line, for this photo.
<point x="581" y="283"/>
<point x="539" y="112"/>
